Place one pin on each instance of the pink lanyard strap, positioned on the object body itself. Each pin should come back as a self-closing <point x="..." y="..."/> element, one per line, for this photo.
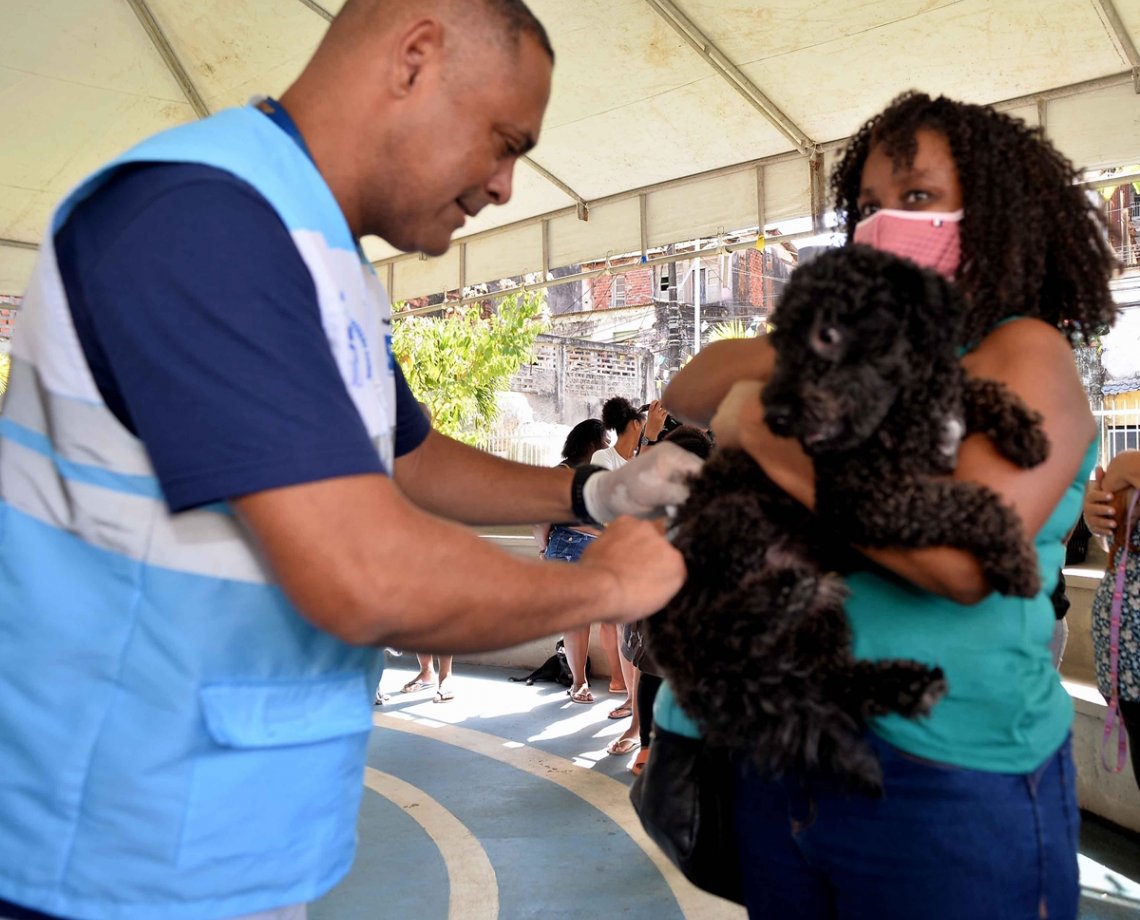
<point x="1112" y="717"/>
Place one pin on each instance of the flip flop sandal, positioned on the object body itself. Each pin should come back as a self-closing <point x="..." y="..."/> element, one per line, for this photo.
<point x="639" y="762"/>
<point x="415" y="686"/>
<point x="622" y="712"/>
<point x="581" y="695"/>
<point x="623" y="746"/>
<point x="443" y="696"/>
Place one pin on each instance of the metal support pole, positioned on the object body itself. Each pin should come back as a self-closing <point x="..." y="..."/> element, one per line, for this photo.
<point x="166" y="52"/>
<point x="19" y="244"/>
<point x="696" y="304"/>
<point x="818" y="190"/>
<point x="1120" y="37"/>
<point x="733" y="75"/>
<point x="672" y="321"/>
<point x="318" y="9"/>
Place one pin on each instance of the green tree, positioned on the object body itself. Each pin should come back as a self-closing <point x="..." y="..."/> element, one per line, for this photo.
<point x="736" y="329"/>
<point x="456" y="363"/>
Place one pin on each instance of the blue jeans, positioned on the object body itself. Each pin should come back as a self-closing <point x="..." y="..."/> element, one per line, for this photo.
<point x="944" y="843"/>
<point x="566" y="544"/>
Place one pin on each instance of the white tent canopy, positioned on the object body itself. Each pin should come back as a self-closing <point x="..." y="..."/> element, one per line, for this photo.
<point x="669" y="120"/>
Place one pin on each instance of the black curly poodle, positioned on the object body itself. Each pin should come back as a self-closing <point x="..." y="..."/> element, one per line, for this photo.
<point x="756" y="645"/>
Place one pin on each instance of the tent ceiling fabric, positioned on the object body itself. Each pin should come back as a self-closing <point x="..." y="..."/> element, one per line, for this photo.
<point x="656" y="120"/>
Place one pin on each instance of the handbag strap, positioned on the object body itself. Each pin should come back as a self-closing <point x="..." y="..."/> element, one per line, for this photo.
<point x="1112" y="721"/>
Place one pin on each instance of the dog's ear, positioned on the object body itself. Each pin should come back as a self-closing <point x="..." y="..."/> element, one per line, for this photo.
<point x="934" y="311"/>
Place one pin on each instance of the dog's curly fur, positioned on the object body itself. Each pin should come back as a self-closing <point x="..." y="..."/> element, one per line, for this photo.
<point x="868" y="378"/>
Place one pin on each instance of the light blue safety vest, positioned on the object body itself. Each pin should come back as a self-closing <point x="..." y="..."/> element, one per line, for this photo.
<point x="176" y="741"/>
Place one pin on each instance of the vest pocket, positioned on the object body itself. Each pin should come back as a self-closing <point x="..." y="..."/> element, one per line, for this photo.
<point x="279" y="769"/>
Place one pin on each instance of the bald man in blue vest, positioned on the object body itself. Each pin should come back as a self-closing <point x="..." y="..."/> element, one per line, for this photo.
<point x="219" y="501"/>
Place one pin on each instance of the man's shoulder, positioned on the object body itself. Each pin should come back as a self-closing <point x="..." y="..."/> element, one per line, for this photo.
<point x="136" y="187"/>
<point x="184" y="214"/>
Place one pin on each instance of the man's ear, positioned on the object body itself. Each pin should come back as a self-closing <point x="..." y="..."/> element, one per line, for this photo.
<point x="419" y="47"/>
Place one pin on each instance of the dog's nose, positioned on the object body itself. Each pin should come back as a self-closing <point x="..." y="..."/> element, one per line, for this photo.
<point x="779" y="418"/>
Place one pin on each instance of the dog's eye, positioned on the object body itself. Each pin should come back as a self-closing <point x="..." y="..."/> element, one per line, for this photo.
<point x="827" y="340"/>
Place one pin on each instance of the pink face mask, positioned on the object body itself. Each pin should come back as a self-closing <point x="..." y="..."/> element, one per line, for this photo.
<point x="930" y="238"/>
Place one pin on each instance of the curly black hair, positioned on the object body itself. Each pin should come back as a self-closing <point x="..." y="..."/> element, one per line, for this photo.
<point x="1032" y="242"/>
<point x="584" y="438"/>
<point x="618" y="412"/>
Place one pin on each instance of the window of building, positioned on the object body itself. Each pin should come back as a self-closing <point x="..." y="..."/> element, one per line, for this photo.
<point x="617" y="291"/>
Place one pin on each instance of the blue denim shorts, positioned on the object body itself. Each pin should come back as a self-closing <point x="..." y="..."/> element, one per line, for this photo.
<point x="944" y="843"/>
<point x="566" y="544"/>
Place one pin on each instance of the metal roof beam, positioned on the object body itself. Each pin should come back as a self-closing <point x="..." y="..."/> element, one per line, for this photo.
<point x="703" y="45"/>
<point x="1044" y="96"/>
<point x="319" y="10"/>
<point x="19" y="244"/>
<point x="582" y="204"/>
<point x="1120" y="37"/>
<point x="621" y="268"/>
<point x="170" y="58"/>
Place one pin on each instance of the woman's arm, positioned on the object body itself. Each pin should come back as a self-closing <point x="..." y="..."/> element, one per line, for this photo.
<point x="1123" y="472"/>
<point x="1121" y="477"/>
<point x="1036" y="363"/>
<point x="694" y="394"/>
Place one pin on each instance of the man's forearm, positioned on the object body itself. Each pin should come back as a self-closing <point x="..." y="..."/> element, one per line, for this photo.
<point x="467" y="485"/>
<point x="361" y="562"/>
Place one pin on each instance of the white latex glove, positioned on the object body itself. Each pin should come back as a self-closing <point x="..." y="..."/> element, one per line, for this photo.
<point x="647" y="486"/>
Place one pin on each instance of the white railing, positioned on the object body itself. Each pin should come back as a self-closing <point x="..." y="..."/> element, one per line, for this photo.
<point x="1119" y="427"/>
<point x="530" y="449"/>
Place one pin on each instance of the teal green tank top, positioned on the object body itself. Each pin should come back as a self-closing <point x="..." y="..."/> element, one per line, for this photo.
<point x="1005" y="710"/>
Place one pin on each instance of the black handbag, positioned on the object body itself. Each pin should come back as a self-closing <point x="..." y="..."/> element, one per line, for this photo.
<point x="633" y="643"/>
<point x="684" y="798"/>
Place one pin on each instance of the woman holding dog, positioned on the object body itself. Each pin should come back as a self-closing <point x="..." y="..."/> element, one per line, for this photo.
<point x="979" y="816"/>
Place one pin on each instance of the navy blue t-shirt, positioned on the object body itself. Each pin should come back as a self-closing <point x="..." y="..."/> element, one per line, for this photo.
<point x="201" y="326"/>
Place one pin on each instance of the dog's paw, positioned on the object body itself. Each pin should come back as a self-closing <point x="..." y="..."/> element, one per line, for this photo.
<point x="1015" y="575"/>
<point x="1031" y="448"/>
<point x="919" y="698"/>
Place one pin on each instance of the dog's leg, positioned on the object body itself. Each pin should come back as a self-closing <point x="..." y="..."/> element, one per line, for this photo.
<point x="993" y="409"/>
<point x="876" y="688"/>
<point x="947" y="513"/>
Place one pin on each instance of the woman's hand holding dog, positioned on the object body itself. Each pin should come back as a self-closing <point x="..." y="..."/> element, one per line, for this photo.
<point x="1098" y="511"/>
<point x="739" y="423"/>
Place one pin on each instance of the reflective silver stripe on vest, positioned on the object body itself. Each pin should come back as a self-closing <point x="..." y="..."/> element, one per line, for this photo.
<point x="202" y="542"/>
<point x="81" y="432"/>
